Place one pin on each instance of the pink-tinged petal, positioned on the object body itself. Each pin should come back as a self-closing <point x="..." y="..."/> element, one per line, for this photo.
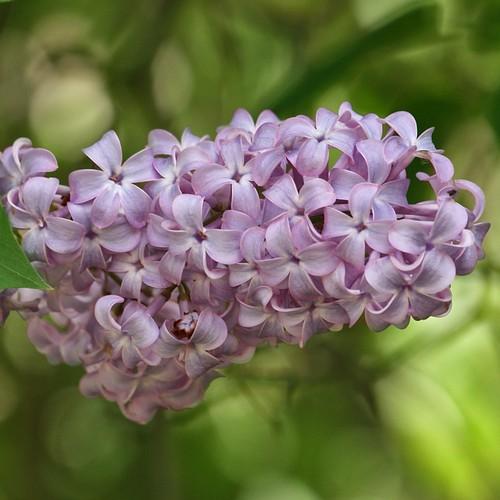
<point x="169" y="346"/>
<point x="103" y="312"/>
<point x="105" y="208"/>
<point x="382" y="275"/>
<point x="274" y="271"/>
<point x="376" y="236"/>
<point x="223" y="245"/>
<point x="325" y="120"/>
<point x="81" y="214"/>
<point x="172" y="266"/>
<point x="382" y="211"/>
<point x="207" y="180"/>
<point x="131" y="285"/>
<point x="106" y="153"/>
<point x="301" y="285"/>
<point x="283" y="193"/>
<point x="372" y="126"/>
<point x="38" y="161"/>
<point x="120" y="237"/>
<point x="162" y="142"/>
<point x="92" y="256"/>
<point x="199" y="362"/>
<point x="210" y="331"/>
<point x="343" y="140"/>
<point x="188" y="212"/>
<point x="167" y="197"/>
<point x="242" y="119"/>
<point x="266" y="137"/>
<point x="337" y="223"/>
<point x="316" y="194"/>
<point x="136" y="204"/>
<point x="343" y="181"/>
<point x="360" y="201"/>
<point x="245" y="199"/>
<point x="312" y="158"/>
<point x="263" y="165"/>
<point x="476" y="192"/>
<point x="436" y="273"/>
<point x="130" y="355"/>
<point x="318" y="259"/>
<point x="424" y="141"/>
<point x="34" y="244"/>
<point x="157" y="236"/>
<point x="279" y="238"/>
<point x="85" y="185"/>
<point x="232" y="219"/>
<point x="352" y="249"/>
<point x="63" y="235"/>
<point x="179" y="241"/>
<point x="19" y="218"/>
<point x="332" y="313"/>
<point x="299" y="126"/>
<point x="409" y="236"/>
<point x="423" y="306"/>
<point x="266" y="116"/>
<point x="372" y="152"/>
<point x="451" y="220"/>
<point x="232" y="154"/>
<point x="142" y="328"/>
<point x="38" y="194"/>
<point x="394" y="192"/>
<point x="252" y="244"/>
<point x="251" y="316"/>
<point x="151" y="275"/>
<point x="241" y="273"/>
<point x="139" y="167"/>
<point x="395" y="312"/>
<point x="404" y="124"/>
<point x="443" y="167"/>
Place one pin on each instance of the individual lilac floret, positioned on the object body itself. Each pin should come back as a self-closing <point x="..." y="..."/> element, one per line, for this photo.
<point x="114" y="189"/>
<point x="29" y="208"/>
<point x="185" y="258"/>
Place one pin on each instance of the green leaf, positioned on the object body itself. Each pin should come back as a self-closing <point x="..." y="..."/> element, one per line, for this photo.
<point x="15" y="269"/>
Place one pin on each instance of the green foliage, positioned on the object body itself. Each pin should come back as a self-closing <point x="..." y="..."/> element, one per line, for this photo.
<point x="15" y="269"/>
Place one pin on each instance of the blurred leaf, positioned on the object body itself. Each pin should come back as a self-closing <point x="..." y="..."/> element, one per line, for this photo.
<point x="15" y="269"/>
<point x="493" y="112"/>
<point x="410" y="28"/>
<point x="486" y="35"/>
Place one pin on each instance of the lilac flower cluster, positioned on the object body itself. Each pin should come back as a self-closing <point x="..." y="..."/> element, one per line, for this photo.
<point x="182" y="259"/>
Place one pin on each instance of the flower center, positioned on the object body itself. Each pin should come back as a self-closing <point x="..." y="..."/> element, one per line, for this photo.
<point x="184" y="327"/>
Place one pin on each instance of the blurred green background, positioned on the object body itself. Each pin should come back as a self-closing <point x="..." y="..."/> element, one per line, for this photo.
<point x="399" y="415"/>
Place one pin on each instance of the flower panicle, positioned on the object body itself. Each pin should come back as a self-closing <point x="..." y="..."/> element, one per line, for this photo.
<point x="182" y="259"/>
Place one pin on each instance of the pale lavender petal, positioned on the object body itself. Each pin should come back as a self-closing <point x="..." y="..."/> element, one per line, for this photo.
<point x="263" y="165"/>
<point x="436" y="273"/>
<point x="301" y="285"/>
<point x="38" y="194"/>
<point x="316" y="194"/>
<point x="142" y="328"/>
<point x="312" y="158"/>
<point x="476" y="192"/>
<point x="105" y="208"/>
<point x="223" y="245"/>
<point x="279" y="238"/>
<point x="85" y="185"/>
<point x="139" y="167"/>
<point x="274" y="271"/>
<point x="106" y="153"/>
<point x="246" y="199"/>
<point x="283" y="193"/>
<point x="232" y="154"/>
<point x="409" y="236"/>
<point x="103" y="311"/>
<point x="199" y="362"/>
<point x="337" y="223"/>
<point x="34" y="242"/>
<point x="360" y="201"/>
<point x="188" y="212"/>
<point x="162" y="142"/>
<point x="451" y="220"/>
<point x="38" y="161"/>
<point x="325" y="120"/>
<point x="343" y="181"/>
<point x="208" y="180"/>
<point x="352" y="249"/>
<point x="120" y="237"/>
<point x="136" y="204"/>
<point x="63" y="235"/>
<point x="343" y="140"/>
<point x="252" y="244"/>
<point x="382" y="275"/>
<point x="210" y="331"/>
<point x="179" y="241"/>
<point x="172" y="266"/>
<point x="372" y="152"/>
<point x="404" y="125"/>
<point x="318" y="259"/>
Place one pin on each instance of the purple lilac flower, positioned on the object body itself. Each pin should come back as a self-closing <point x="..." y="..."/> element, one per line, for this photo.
<point x="182" y="260"/>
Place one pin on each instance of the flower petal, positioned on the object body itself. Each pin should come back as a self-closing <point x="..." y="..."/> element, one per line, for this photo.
<point x="106" y="153"/>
